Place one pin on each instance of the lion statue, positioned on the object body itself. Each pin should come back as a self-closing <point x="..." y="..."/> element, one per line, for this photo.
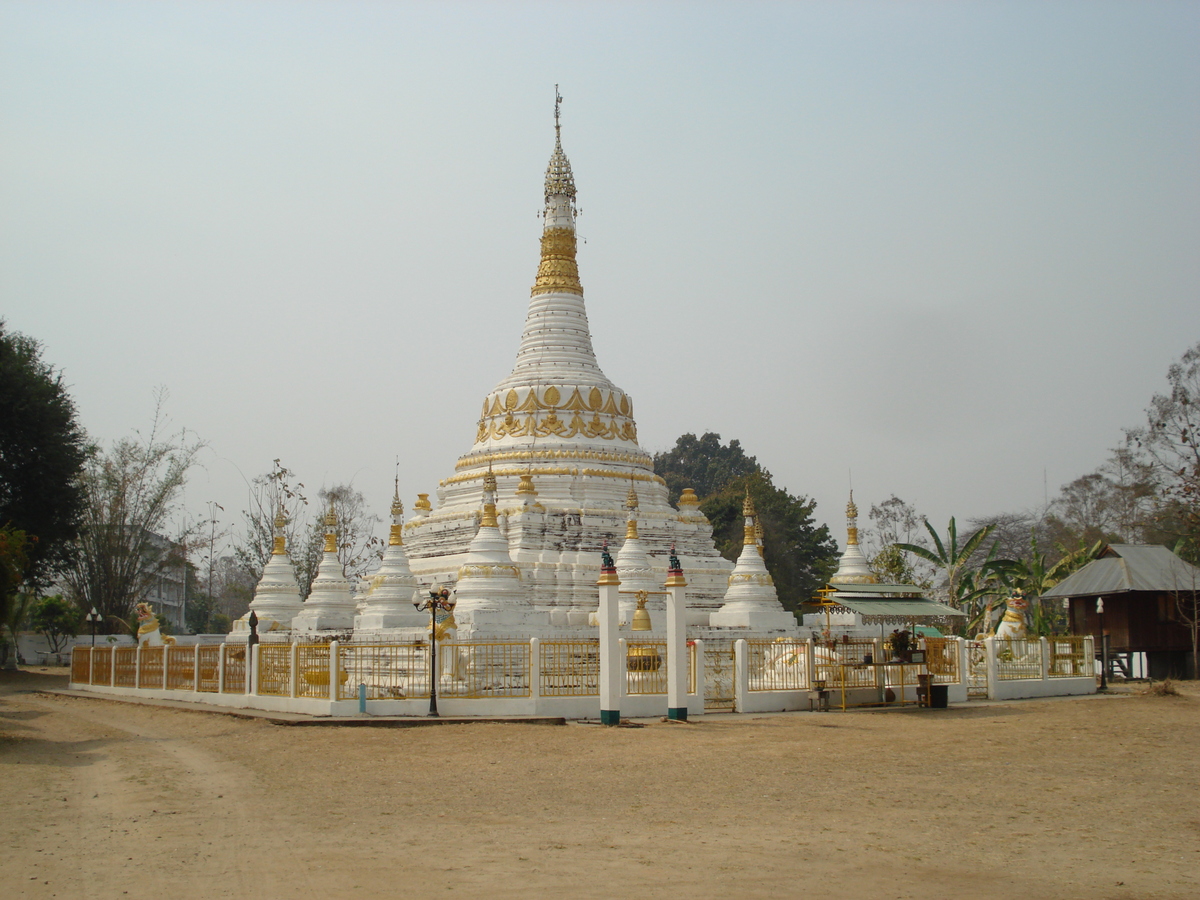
<point x="149" y="633"/>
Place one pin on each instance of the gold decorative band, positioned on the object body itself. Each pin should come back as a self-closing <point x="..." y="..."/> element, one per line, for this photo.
<point x="551" y="425"/>
<point x="556" y="470"/>
<point x="609" y="456"/>
<point x="558" y="270"/>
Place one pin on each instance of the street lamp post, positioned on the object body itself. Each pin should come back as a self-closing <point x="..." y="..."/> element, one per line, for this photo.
<point x="439" y="600"/>
<point x="93" y="619"/>
<point x="1103" y="645"/>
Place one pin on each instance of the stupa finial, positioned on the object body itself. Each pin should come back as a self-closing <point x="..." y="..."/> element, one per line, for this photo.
<point x="395" y="537"/>
<point x="489" y="501"/>
<point x="280" y="543"/>
<point x="331" y="528"/>
<point x="750" y="534"/>
<point x="558" y="271"/>
<point x="851" y="520"/>
<point x="631" y="504"/>
<point x="559" y="179"/>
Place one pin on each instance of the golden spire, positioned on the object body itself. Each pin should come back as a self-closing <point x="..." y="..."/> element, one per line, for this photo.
<point x="558" y="271"/>
<point x="331" y="529"/>
<point x="851" y="520"/>
<point x="489" y="501"/>
<point x="631" y="504"/>
<point x="758" y="537"/>
<point x="750" y="534"/>
<point x="394" y="535"/>
<point x="280" y="546"/>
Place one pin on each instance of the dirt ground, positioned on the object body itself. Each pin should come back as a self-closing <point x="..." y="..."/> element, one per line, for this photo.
<point x="1089" y="797"/>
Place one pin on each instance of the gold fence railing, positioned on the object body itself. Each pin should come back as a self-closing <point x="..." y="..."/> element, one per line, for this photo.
<point x="102" y="665"/>
<point x="1071" y="656"/>
<point x="780" y="665"/>
<point x="569" y="668"/>
<point x="1018" y="660"/>
<point x="81" y="664"/>
<point x="275" y="670"/>
<point x="390" y="671"/>
<point x="234" y="680"/>
<point x="484" y="669"/>
<point x="942" y="658"/>
<point x="718" y="675"/>
<point x="150" y="675"/>
<point x="181" y="668"/>
<point x="208" y="662"/>
<point x="646" y="667"/>
<point x="125" y="666"/>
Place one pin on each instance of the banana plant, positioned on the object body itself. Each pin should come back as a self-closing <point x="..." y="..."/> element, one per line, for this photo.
<point x="949" y="556"/>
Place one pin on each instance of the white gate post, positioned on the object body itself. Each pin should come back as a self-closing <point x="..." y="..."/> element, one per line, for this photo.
<point x="334" y="672"/>
<point x="252" y="669"/>
<point x="535" y="673"/>
<point x="221" y="669"/>
<point x="677" y="708"/>
<point x="993" y="669"/>
<point x="741" y="674"/>
<point x="137" y="666"/>
<point x="698" y="670"/>
<point x="196" y="668"/>
<point x="293" y="668"/>
<point x="612" y="668"/>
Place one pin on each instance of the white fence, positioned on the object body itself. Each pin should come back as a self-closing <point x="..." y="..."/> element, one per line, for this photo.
<point x="561" y="678"/>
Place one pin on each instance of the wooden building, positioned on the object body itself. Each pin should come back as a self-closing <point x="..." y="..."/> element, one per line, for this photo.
<point x="1142" y="587"/>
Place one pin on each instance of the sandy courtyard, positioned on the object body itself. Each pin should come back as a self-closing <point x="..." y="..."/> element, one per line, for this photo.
<point x="1090" y="797"/>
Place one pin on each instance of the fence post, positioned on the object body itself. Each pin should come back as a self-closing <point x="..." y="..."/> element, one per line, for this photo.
<point x="741" y="674"/>
<point x="137" y="666"/>
<point x="221" y="669"/>
<point x="698" y="669"/>
<point x="294" y="669"/>
<point x="535" y="672"/>
<point x="166" y="663"/>
<point x="810" y="662"/>
<point x="112" y="665"/>
<point x="334" y="673"/>
<point x="1045" y="659"/>
<point x="91" y="664"/>
<point x="993" y="669"/>
<point x="612" y="648"/>
<point x="196" y="667"/>
<point x="252" y="668"/>
<point x="676" y="646"/>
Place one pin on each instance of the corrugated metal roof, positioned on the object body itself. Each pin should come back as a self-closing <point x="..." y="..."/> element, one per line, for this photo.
<point x="875" y="588"/>
<point x="1129" y="567"/>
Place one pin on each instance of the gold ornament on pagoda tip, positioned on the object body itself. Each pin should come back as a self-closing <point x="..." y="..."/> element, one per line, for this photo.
<point x="279" y="547"/>
<point x="331" y="529"/>
<point x="558" y="272"/>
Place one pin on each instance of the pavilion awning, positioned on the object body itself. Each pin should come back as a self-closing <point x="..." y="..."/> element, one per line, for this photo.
<point x="898" y="609"/>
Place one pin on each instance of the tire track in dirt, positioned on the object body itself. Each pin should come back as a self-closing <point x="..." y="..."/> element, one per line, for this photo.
<point x="144" y="806"/>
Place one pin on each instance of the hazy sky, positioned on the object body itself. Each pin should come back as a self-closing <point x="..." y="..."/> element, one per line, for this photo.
<point x="949" y="246"/>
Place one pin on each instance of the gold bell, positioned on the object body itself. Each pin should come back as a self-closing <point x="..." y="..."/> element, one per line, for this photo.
<point x="641" y="615"/>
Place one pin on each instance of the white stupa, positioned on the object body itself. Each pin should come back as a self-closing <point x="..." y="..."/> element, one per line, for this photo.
<point x="389" y="602"/>
<point x="558" y="422"/>
<point x="853" y="567"/>
<point x="751" y="600"/>
<point x="330" y="605"/>
<point x="277" y="595"/>
<point x="635" y="570"/>
<point x="490" y="591"/>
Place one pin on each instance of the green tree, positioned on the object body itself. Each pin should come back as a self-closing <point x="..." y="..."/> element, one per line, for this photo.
<point x="14" y="600"/>
<point x="131" y="493"/>
<point x="56" y="618"/>
<point x="703" y="464"/>
<point x="799" y="554"/>
<point x="42" y="452"/>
